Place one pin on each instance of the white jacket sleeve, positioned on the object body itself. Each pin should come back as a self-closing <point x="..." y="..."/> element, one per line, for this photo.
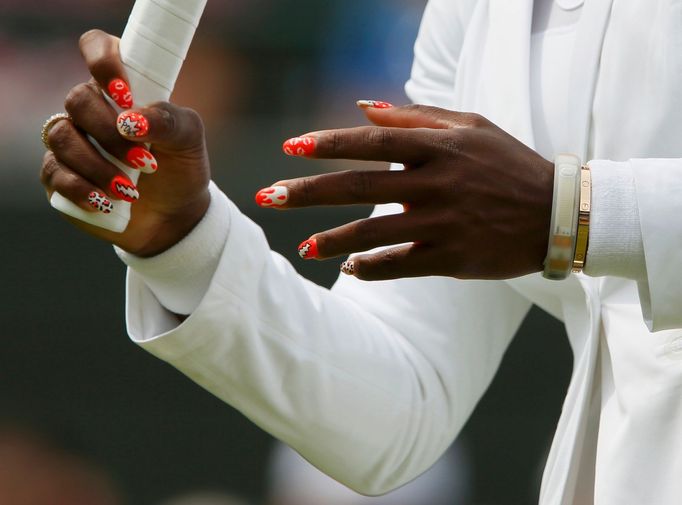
<point x="658" y="183"/>
<point x="637" y="232"/>
<point x="370" y="381"/>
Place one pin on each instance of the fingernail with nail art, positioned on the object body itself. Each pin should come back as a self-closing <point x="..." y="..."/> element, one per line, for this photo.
<point x="140" y="158"/>
<point x="100" y="202"/>
<point x="348" y="267"/>
<point x="299" y="146"/>
<point x="119" y="91"/>
<point x="132" y="124"/>
<point x="124" y="189"/>
<point x="308" y="249"/>
<point x="272" y="197"/>
<point x="373" y="104"/>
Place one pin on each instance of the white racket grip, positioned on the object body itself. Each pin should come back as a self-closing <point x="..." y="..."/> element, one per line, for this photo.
<point x="153" y="47"/>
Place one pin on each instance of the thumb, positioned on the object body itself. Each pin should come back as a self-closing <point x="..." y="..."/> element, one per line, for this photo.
<point x="171" y="129"/>
<point x="413" y="116"/>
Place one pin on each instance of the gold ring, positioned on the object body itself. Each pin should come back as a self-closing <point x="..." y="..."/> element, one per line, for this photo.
<point x="47" y="126"/>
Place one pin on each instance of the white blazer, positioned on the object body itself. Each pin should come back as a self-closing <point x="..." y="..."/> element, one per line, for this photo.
<point x="371" y="382"/>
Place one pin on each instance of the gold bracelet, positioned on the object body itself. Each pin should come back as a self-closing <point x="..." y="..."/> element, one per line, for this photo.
<point x="583" y="220"/>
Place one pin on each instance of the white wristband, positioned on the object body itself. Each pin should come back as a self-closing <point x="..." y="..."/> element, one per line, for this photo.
<point x="564" y="225"/>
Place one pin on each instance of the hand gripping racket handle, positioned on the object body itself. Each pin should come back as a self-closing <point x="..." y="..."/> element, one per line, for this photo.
<point x="153" y="47"/>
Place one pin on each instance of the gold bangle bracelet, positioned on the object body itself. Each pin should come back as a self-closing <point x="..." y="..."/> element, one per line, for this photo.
<point x="585" y="207"/>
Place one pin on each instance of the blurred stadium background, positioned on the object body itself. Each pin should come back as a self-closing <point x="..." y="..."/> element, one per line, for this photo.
<point x="259" y="72"/>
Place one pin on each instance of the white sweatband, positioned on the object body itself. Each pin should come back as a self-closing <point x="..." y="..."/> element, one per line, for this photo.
<point x="180" y="276"/>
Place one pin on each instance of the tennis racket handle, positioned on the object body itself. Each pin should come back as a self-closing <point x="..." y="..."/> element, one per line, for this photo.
<point x="153" y="48"/>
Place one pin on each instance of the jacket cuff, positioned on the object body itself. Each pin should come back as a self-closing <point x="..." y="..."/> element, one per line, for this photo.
<point x="615" y="243"/>
<point x="180" y="276"/>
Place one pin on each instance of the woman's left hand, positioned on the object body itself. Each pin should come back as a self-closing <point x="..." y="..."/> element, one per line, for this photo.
<point x="477" y="201"/>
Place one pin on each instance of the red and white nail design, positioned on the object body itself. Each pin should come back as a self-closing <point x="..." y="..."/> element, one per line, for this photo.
<point x="308" y="249"/>
<point x="373" y="104"/>
<point x="124" y="189"/>
<point x="139" y="157"/>
<point x="348" y="267"/>
<point x="299" y="146"/>
<point x="100" y="202"/>
<point x="272" y="197"/>
<point x="119" y="91"/>
<point x="132" y="124"/>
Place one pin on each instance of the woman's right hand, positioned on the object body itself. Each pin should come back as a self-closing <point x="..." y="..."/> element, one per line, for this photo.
<point x="166" y="204"/>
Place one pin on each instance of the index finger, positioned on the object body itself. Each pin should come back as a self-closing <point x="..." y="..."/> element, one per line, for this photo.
<point x="368" y="143"/>
<point x="101" y="53"/>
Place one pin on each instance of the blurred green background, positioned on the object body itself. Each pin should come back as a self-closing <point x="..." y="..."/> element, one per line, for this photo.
<point x="260" y="71"/>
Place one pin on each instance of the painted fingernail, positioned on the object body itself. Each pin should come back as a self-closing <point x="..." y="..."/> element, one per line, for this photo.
<point x="139" y="157"/>
<point x="272" y="197"/>
<point x="348" y="267"/>
<point x="299" y="146"/>
<point x="119" y="91"/>
<point x="124" y="189"/>
<point x="373" y="104"/>
<point x="100" y="202"/>
<point x="132" y="124"/>
<point x="308" y="249"/>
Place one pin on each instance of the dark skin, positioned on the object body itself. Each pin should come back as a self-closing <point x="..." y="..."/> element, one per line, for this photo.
<point x="477" y="200"/>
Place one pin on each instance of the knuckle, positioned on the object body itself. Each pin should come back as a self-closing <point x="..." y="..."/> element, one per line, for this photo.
<point x="359" y="184"/>
<point x="89" y="36"/>
<point x="415" y="107"/>
<point x="100" y="51"/>
<point x="193" y="118"/>
<point x="59" y="136"/>
<point x="305" y="189"/>
<point x="78" y="98"/>
<point x="48" y="169"/>
<point x="436" y="114"/>
<point x="378" y="137"/>
<point x="195" y="124"/>
<point x="388" y="259"/>
<point x="335" y="142"/>
<point x="474" y="120"/>
<point x="452" y="144"/>
<point x="170" y="117"/>
<point x="367" y="231"/>
<point x="180" y="126"/>
<point x="378" y="266"/>
<point x="424" y="109"/>
<point x="100" y="66"/>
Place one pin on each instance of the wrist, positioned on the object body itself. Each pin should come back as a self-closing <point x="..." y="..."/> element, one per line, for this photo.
<point x="543" y="214"/>
<point x="165" y="229"/>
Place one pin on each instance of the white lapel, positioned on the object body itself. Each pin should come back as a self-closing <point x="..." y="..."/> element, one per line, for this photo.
<point x="508" y="54"/>
<point x="584" y="74"/>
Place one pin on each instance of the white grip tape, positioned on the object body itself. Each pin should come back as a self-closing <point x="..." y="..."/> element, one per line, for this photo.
<point x="153" y="47"/>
